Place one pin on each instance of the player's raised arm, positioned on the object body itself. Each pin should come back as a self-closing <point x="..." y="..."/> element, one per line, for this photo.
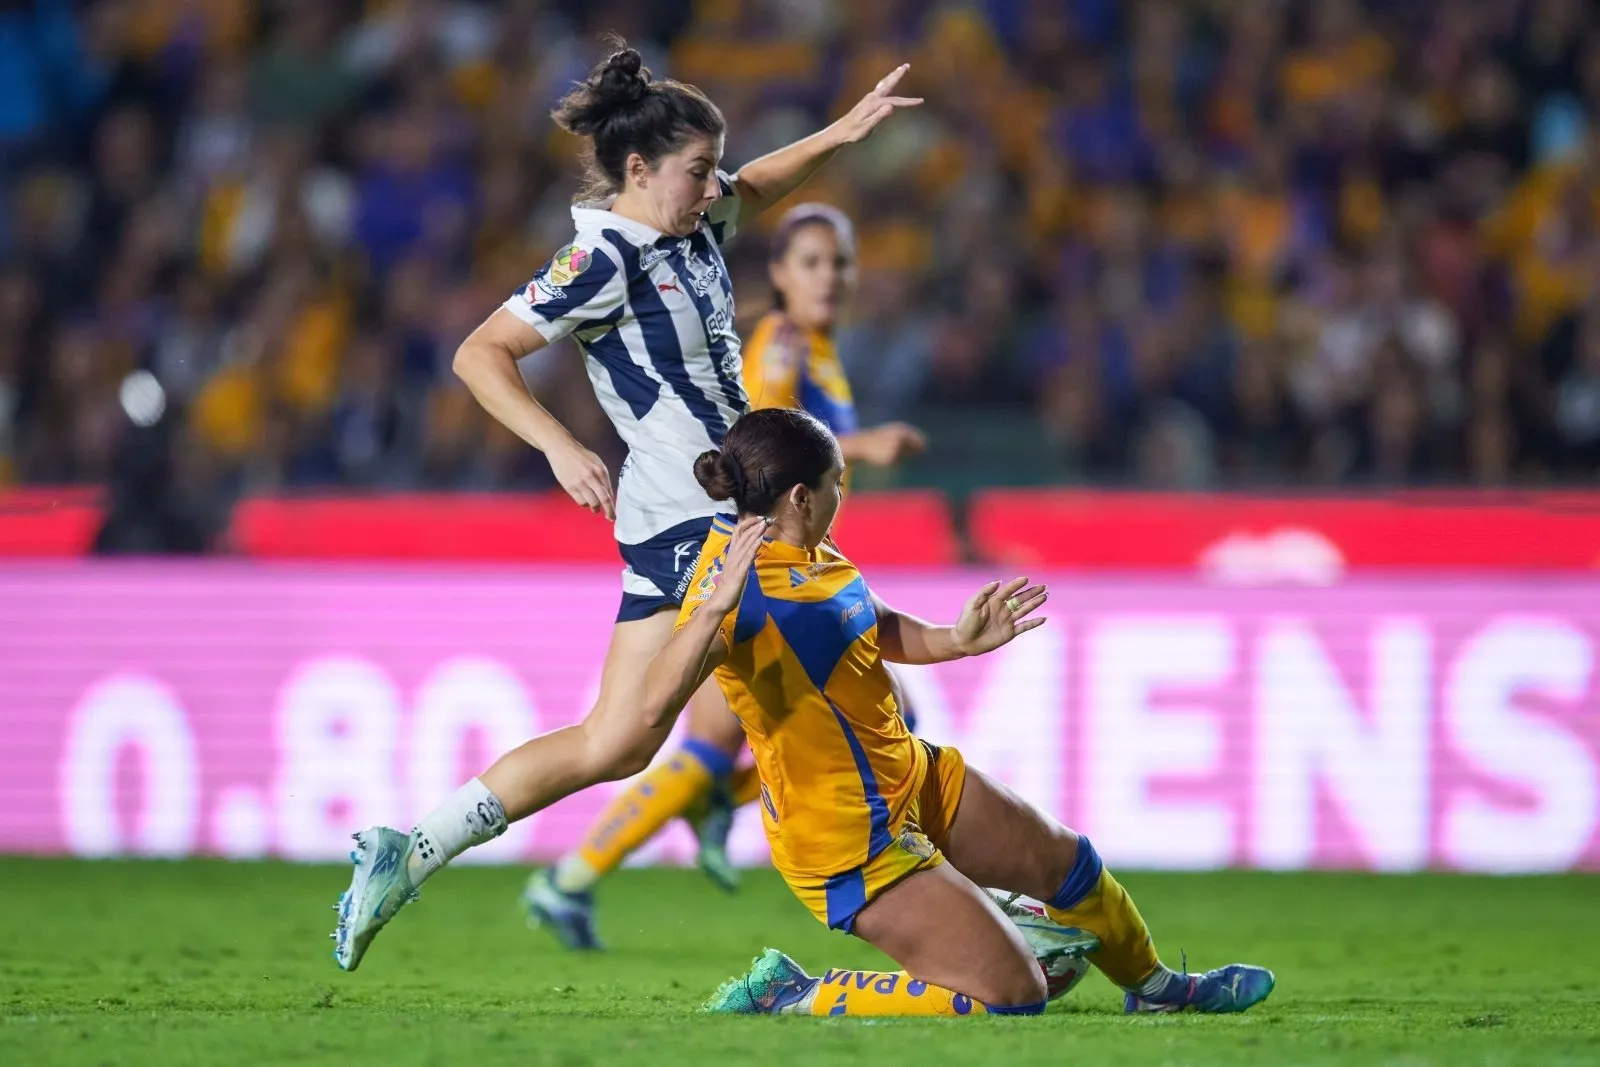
<point x="487" y="363"/>
<point x="699" y="646"/>
<point x="765" y="181"/>
<point x="996" y="613"/>
<point x="884" y="445"/>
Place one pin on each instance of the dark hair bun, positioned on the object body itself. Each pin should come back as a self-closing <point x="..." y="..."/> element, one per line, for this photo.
<point x="623" y="79"/>
<point x="715" y="475"/>
<point x="613" y="87"/>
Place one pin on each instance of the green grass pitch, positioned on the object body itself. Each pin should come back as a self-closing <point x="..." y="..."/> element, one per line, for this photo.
<point x="211" y="963"/>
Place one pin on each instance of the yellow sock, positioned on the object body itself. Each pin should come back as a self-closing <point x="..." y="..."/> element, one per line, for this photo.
<point x="877" y="993"/>
<point x="1126" y="954"/>
<point x="660" y="795"/>
<point x="744" y="786"/>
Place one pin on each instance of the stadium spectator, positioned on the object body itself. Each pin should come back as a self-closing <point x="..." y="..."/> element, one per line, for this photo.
<point x="1179" y="242"/>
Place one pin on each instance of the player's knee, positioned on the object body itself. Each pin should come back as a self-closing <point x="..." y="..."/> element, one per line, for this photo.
<point x="1021" y="985"/>
<point x="629" y="762"/>
<point x="614" y="761"/>
<point x="623" y="754"/>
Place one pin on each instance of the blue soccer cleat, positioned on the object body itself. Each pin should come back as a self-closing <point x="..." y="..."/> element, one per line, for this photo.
<point x="775" y="982"/>
<point x="1234" y="988"/>
<point x="379" y="888"/>
<point x="570" y="916"/>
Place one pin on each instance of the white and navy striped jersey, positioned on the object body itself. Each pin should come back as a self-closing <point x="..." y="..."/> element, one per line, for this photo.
<point x="654" y="317"/>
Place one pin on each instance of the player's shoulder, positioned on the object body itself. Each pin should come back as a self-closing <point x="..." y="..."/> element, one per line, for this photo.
<point x="583" y="265"/>
<point x="589" y="249"/>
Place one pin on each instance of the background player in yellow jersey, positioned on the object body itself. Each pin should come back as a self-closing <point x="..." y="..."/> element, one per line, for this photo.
<point x="790" y="361"/>
<point x="880" y="834"/>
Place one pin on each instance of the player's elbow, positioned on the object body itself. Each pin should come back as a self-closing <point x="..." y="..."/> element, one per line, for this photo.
<point x="469" y="358"/>
<point x="656" y="715"/>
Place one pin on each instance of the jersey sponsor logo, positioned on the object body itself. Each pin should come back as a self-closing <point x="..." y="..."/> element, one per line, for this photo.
<point x="690" y="551"/>
<point x="668" y="287"/>
<point x="650" y="257"/>
<point x="539" y="290"/>
<point x="570" y="262"/>
<point x="719" y="321"/>
<point x="703" y="273"/>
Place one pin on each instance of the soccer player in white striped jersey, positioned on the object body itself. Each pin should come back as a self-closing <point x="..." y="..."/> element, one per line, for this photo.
<point x="644" y="290"/>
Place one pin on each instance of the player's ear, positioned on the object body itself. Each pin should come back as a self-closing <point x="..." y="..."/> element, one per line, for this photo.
<point x="636" y="167"/>
<point x="800" y="499"/>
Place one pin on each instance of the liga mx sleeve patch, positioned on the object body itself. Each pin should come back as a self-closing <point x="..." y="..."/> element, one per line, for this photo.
<point x="568" y="263"/>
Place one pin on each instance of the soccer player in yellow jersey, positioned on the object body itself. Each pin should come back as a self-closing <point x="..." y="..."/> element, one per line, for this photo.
<point x="789" y="361"/>
<point x="880" y="834"/>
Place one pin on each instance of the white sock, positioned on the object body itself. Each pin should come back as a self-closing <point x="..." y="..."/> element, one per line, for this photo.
<point x="469" y="816"/>
<point x="573" y="874"/>
<point x="1157" y="983"/>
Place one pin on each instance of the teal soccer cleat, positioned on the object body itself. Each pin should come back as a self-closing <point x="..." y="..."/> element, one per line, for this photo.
<point x="379" y="888"/>
<point x="570" y="916"/>
<point x="775" y="982"/>
<point x="712" y="822"/>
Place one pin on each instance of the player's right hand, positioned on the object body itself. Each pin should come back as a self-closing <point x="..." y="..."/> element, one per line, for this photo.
<point x="996" y="614"/>
<point x="892" y="442"/>
<point x="585" y="478"/>
<point x="741" y="552"/>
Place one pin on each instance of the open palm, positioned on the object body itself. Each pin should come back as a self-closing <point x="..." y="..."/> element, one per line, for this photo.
<point x="998" y="613"/>
<point x="741" y="552"/>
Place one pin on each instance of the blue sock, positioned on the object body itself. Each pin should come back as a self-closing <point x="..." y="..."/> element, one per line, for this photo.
<point x="713" y="759"/>
<point x="1081" y="880"/>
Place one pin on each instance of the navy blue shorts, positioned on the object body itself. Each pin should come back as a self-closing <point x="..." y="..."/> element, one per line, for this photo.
<point x="658" y="570"/>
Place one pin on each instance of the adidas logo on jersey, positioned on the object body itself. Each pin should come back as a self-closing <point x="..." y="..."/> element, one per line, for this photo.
<point x="802" y="575"/>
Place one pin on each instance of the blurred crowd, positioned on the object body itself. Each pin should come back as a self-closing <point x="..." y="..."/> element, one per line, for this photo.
<point x="1207" y="242"/>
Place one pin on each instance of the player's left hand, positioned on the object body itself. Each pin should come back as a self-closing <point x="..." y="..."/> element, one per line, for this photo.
<point x="741" y="552"/>
<point x="996" y="614"/>
<point x="874" y="108"/>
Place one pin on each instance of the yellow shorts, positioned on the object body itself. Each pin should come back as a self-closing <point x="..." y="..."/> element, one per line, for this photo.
<point x="836" y="901"/>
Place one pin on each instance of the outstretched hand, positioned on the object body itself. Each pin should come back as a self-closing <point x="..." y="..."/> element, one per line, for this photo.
<point x="741" y="552"/>
<point x="875" y="107"/>
<point x="997" y="614"/>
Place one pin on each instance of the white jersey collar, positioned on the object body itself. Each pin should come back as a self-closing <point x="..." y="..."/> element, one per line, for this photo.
<point x="598" y="215"/>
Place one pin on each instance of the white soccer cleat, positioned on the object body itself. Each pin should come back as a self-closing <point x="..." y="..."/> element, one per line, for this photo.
<point x="1061" y="950"/>
<point x="379" y="888"/>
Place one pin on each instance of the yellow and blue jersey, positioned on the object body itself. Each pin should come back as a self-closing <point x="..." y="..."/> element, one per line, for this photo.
<point x="839" y="770"/>
<point x="789" y="367"/>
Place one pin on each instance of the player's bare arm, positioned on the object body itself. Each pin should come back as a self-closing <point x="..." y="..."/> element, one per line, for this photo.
<point x="884" y="445"/>
<point x="765" y="181"/>
<point x="699" y="647"/>
<point x="994" y="616"/>
<point x="487" y="363"/>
